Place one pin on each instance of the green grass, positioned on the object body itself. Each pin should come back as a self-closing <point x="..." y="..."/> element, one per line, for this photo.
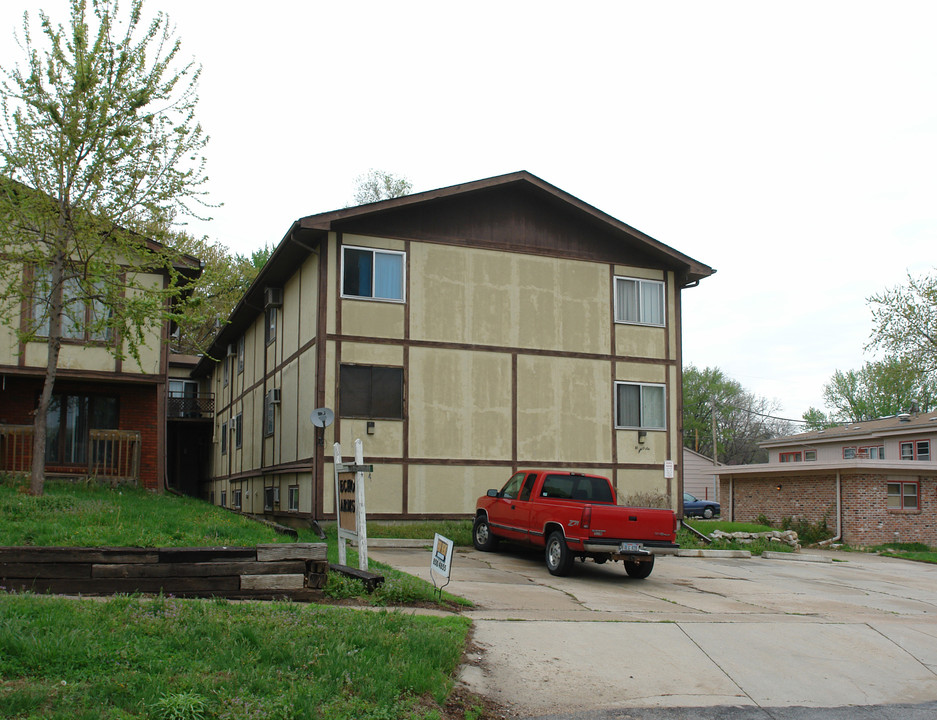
<point x="918" y="552"/>
<point x="130" y="657"/>
<point x="459" y="531"/>
<point x="87" y="515"/>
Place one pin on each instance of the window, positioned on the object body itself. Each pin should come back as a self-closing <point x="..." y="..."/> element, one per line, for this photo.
<point x="872" y="452"/>
<point x="640" y="406"/>
<point x="376" y="274"/>
<point x="639" y="301"/>
<point x="513" y="486"/>
<point x="810" y="455"/>
<point x="238" y="431"/>
<point x="224" y="439"/>
<point x="225" y="371"/>
<point x="224" y="498"/>
<point x="240" y="354"/>
<point x="367" y="391"/>
<point x="903" y="496"/>
<point x="269" y="414"/>
<point x="915" y="450"/>
<point x="790" y="457"/>
<point x="849" y="453"/>
<point x="237" y="499"/>
<point x="293" y="498"/>
<point x="271" y="498"/>
<point x="68" y="422"/>
<point x="270" y="324"/>
<point x="83" y="319"/>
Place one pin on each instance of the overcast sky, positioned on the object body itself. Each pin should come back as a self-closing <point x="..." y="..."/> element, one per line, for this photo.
<point x="791" y="146"/>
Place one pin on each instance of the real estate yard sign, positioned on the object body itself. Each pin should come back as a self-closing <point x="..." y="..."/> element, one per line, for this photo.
<point x="349" y="504"/>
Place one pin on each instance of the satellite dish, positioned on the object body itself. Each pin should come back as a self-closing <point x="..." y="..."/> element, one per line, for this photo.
<point x="322" y="417"/>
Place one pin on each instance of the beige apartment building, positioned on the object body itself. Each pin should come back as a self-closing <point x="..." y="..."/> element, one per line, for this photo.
<point x="460" y="333"/>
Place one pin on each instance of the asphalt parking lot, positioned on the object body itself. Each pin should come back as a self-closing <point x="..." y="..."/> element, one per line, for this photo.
<point x="853" y="636"/>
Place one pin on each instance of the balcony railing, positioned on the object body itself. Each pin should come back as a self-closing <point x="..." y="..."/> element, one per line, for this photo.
<point x="112" y="454"/>
<point x="202" y="406"/>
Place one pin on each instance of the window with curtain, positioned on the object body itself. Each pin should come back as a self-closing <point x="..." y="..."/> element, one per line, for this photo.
<point x="68" y="421"/>
<point x="375" y="274"/>
<point x="367" y="391"/>
<point x="639" y="302"/>
<point x="82" y="315"/>
<point x="640" y="405"/>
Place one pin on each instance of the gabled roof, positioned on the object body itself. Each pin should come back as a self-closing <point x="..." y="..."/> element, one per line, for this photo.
<point x="517" y="211"/>
<point x="905" y="424"/>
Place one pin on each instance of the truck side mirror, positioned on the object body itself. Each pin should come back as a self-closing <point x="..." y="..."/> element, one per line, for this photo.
<point x="492" y="493"/>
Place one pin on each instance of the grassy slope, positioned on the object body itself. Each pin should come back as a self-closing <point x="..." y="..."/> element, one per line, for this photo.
<point x="130" y="657"/>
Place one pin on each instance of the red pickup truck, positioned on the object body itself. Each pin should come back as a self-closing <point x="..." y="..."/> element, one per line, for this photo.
<point x="573" y="515"/>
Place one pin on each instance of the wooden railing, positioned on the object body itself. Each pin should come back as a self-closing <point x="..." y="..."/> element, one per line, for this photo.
<point x="202" y="406"/>
<point x="112" y="454"/>
<point x="16" y="447"/>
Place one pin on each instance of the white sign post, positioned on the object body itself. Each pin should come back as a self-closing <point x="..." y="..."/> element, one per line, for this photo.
<point x="349" y="504"/>
<point x="441" y="561"/>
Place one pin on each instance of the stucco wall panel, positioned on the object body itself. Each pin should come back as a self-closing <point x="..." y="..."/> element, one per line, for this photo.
<point x="563" y="410"/>
<point x="460" y="404"/>
<point x="372" y="318"/>
<point x="640" y="341"/>
<point x="387" y="440"/>
<point x="640" y="482"/>
<point x="448" y="489"/>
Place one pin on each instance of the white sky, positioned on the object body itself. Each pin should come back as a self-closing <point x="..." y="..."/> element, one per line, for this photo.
<point x="791" y="146"/>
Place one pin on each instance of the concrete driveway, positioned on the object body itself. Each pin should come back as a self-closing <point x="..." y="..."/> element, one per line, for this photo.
<point x="712" y="634"/>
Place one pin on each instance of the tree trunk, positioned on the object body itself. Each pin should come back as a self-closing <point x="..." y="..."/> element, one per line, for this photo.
<point x="37" y="476"/>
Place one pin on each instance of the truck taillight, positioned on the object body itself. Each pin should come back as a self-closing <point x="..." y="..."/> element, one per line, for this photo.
<point x="586" y="519"/>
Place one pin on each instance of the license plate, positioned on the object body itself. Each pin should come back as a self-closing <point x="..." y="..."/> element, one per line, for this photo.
<point x="631" y="548"/>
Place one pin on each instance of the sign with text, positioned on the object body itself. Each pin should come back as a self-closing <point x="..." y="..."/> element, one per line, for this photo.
<point x="349" y="503"/>
<point x="441" y="562"/>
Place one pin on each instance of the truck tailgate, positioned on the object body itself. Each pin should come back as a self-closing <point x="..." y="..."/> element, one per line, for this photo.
<point x="612" y="524"/>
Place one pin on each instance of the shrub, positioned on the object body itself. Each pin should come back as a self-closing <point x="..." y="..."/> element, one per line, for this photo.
<point x="646" y="500"/>
<point x="807" y="533"/>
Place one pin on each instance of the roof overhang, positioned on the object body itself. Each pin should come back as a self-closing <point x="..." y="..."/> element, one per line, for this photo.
<point x="852" y="467"/>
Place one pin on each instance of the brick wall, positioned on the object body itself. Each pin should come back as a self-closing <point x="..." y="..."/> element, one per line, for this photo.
<point x="866" y="519"/>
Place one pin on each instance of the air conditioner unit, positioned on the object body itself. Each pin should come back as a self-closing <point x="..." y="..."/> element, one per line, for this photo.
<point x="275" y="396"/>
<point x="276" y="494"/>
<point x="231" y="350"/>
<point x="273" y="297"/>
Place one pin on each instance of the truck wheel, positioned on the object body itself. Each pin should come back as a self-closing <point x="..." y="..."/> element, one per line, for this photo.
<point x="639" y="570"/>
<point x="559" y="559"/>
<point x="482" y="537"/>
<point x="708" y="513"/>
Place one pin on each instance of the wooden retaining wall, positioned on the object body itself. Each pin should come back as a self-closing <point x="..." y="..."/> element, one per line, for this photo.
<point x="295" y="571"/>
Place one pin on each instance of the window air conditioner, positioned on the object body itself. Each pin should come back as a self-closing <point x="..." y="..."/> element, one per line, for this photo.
<point x="275" y="396"/>
<point x="231" y="351"/>
<point x="273" y="297"/>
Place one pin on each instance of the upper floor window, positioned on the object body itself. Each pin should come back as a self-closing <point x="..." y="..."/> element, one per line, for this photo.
<point x="270" y="402"/>
<point x="368" y="391"/>
<point x="224" y="439"/>
<point x="240" y="354"/>
<point x="639" y="301"/>
<point x="84" y="318"/>
<point x="915" y="450"/>
<point x="810" y="455"/>
<point x="270" y="324"/>
<point x="791" y="457"/>
<point x="377" y="274"/>
<point x="640" y="405"/>
<point x="238" y="431"/>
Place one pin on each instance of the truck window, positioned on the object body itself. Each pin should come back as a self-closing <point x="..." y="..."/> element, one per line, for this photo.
<point x="557" y="486"/>
<point x="510" y="490"/>
<point x="528" y="487"/>
<point x="575" y="487"/>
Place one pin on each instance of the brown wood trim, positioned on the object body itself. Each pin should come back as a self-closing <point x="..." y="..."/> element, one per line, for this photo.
<point x="318" y="489"/>
<point x="337" y="339"/>
<point x="439" y="345"/>
<point x="514" y="405"/>
<point x="678" y="356"/>
<point x="408" y="307"/>
<point x="613" y="347"/>
<point x="38" y="373"/>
